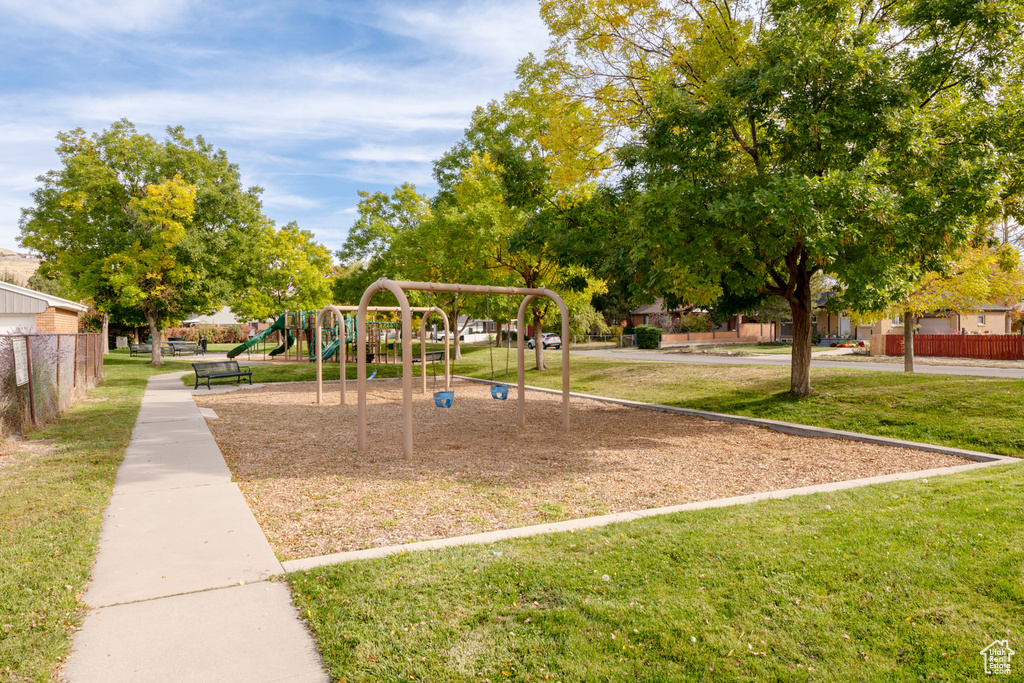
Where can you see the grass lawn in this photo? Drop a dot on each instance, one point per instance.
(736, 349)
(906, 581)
(53, 490)
(901, 582)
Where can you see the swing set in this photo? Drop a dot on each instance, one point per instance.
(339, 311)
(444, 399)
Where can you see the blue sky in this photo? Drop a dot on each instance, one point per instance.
(313, 100)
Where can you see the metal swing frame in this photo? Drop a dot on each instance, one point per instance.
(398, 288)
(338, 310)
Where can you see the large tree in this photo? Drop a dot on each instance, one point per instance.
(134, 223)
(287, 271)
(522, 163)
(766, 144)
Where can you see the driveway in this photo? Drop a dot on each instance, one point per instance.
(784, 359)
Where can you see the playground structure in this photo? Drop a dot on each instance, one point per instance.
(298, 326)
(292, 325)
(398, 289)
(339, 313)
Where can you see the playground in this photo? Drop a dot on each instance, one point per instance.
(474, 469)
(325, 474)
(292, 335)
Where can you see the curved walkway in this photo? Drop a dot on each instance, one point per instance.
(658, 356)
(180, 589)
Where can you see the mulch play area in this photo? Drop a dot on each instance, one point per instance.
(475, 470)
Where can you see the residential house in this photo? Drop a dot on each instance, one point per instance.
(989, 320)
(656, 314)
(225, 318)
(839, 324)
(734, 330)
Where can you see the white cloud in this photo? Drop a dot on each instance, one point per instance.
(497, 32)
(82, 17)
(389, 153)
(275, 199)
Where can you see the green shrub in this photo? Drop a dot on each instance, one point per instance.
(692, 322)
(647, 336)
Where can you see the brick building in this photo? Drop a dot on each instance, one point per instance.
(26, 310)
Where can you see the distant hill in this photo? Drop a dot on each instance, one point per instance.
(17, 266)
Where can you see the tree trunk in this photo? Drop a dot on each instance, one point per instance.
(154, 330)
(106, 333)
(800, 364)
(908, 342)
(538, 340)
(778, 331)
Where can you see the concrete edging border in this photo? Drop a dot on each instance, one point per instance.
(779, 426)
(981, 460)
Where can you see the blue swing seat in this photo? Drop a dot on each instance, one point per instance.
(499, 391)
(443, 399)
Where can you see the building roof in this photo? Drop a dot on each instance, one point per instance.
(15, 299)
(222, 317)
(653, 309)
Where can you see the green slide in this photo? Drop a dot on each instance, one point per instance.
(329, 351)
(288, 341)
(278, 325)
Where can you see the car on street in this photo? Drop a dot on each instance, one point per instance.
(550, 340)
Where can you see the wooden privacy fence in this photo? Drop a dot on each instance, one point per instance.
(984, 346)
(747, 333)
(42, 375)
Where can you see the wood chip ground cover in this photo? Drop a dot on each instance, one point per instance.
(474, 470)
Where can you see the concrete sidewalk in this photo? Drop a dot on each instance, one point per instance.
(180, 590)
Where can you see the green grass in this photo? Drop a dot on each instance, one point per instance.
(906, 581)
(901, 582)
(919, 576)
(51, 507)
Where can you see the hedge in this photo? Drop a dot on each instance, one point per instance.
(647, 336)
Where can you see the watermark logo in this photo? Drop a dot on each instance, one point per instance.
(997, 657)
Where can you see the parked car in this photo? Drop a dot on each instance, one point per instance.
(550, 340)
(440, 336)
